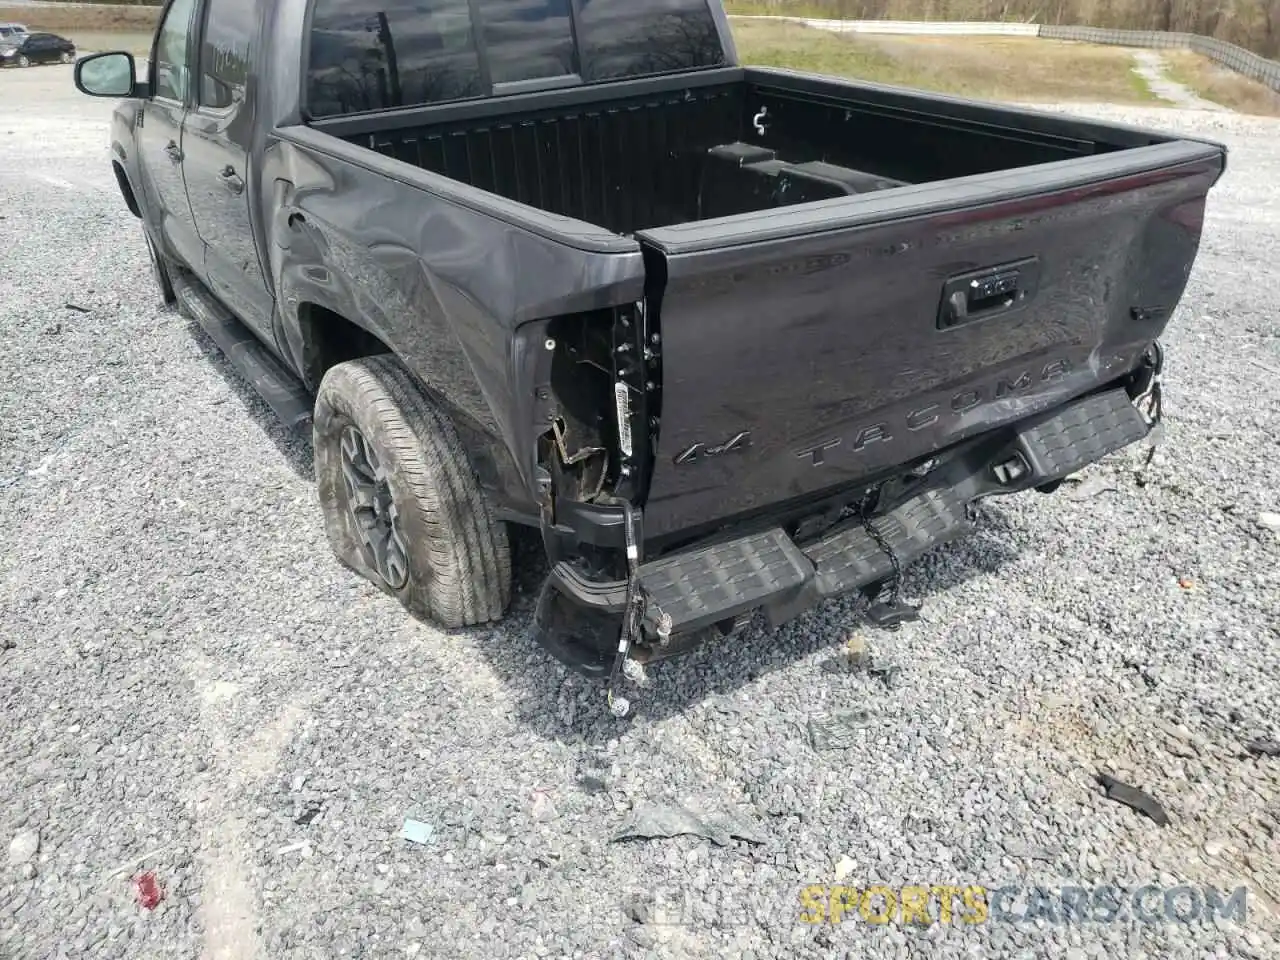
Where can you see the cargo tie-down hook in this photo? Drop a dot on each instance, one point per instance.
(758, 120)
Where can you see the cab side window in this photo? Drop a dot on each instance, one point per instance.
(374, 54)
(172, 73)
(225, 51)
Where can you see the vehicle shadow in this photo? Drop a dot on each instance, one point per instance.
(559, 704)
(294, 445)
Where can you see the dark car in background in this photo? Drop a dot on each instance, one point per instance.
(36, 48)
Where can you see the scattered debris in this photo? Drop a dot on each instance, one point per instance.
(77, 308)
(1186, 583)
(1134, 798)
(652, 821)
(887, 673)
(1263, 748)
(845, 867)
(308, 812)
(415, 831)
(852, 658)
(130, 864)
(24, 847)
(839, 731)
(150, 893)
(302, 846)
(1269, 521)
(1091, 486)
(1262, 366)
(638, 906)
(1028, 851)
(544, 810)
(53, 330)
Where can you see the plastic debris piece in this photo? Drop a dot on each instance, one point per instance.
(887, 673)
(77, 308)
(308, 812)
(1263, 748)
(838, 731)
(544, 809)
(654, 821)
(1186, 583)
(1090, 487)
(415, 831)
(1134, 798)
(150, 893)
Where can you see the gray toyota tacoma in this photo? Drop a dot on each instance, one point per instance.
(732, 339)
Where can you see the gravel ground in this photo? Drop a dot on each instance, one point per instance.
(191, 686)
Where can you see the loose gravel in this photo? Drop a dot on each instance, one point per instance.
(192, 690)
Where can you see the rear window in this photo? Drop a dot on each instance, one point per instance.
(378, 54)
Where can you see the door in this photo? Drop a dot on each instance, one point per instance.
(160, 135)
(216, 142)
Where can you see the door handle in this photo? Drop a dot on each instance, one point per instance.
(231, 180)
(173, 151)
(987, 293)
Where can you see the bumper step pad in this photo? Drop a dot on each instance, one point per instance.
(714, 583)
(1080, 434)
(851, 559)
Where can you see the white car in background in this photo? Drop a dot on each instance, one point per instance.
(12, 34)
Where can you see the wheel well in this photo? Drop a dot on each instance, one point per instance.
(329, 339)
(130, 200)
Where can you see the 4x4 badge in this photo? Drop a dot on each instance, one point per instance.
(700, 450)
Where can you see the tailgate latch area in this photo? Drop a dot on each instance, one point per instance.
(989, 292)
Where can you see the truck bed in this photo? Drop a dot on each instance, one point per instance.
(671, 155)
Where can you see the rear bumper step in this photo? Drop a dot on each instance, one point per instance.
(714, 584)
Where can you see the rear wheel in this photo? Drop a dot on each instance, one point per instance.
(66, 57)
(401, 503)
(23, 61)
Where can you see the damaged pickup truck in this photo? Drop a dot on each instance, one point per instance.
(733, 339)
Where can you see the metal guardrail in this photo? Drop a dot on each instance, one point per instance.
(1225, 54)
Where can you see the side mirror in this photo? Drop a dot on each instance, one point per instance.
(106, 75)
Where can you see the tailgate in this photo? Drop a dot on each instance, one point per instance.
(807, 348)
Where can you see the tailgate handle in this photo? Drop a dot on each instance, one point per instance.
(988, 292)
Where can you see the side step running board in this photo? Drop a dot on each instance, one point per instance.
(281, 390)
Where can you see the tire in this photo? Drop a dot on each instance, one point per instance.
(66, 57)
(24, 62)
(160, 270)
(444, 556)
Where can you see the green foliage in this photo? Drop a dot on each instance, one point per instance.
(1252, 24)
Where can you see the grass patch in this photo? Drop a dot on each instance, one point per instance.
(809, 9)
(99, 19)
(1222, 86)
(986, 68)
(92, 29)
